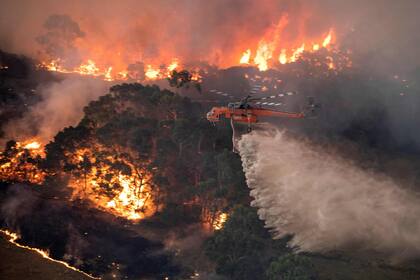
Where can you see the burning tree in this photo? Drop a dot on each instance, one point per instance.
(21, 162)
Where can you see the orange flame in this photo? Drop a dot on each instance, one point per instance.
(118, 63)
(283, 57)
(297, 53)
(246, 55)
(18, 165)
(264, 53)
(130, 195)
(219, 221)
(327, 40)
(45, 254)
(152, 74)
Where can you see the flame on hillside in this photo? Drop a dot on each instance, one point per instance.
(111, 183)
(274, 46)
(269, 48)
(219, 221)
(13, 237)
(114, 184)
(19, 162)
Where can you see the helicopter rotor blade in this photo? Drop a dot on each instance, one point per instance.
(290, 93)
(269, 103)
(221, 93)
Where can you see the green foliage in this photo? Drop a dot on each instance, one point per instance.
(190, 160)
(242, 249)
(291, 267)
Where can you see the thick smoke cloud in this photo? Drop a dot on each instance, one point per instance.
(61, 106)
(327, 202)
(215, 30)
(61, 33)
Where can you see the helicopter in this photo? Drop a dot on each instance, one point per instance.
(249, 109)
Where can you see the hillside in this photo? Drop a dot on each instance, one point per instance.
(19, 263)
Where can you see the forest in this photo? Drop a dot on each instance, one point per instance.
(144, 187)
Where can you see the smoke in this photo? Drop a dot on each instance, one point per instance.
(59, 38)
(327, 202)
(61, 106)
(215, 31)
(20, 202)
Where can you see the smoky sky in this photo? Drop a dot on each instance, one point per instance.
(196, 28)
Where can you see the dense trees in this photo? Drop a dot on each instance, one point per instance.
(243, 249)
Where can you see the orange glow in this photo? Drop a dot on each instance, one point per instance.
(219, 221)
(34, 145)
(297, 53)
(246, 55)
(88, 69)
(122, 75)
(152, 74)
(264, 53)
(127, 195)
(266, 48)
(123, 192)
(195, 76)
(18, 163)
(108, 76)
(173, 65)
(327, 40)
(283, 57)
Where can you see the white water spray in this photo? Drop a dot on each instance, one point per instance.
(326, 202)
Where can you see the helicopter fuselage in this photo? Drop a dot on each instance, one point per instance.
(246, 114)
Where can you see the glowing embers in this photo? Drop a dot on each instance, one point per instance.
(20, 162)
(112, 183)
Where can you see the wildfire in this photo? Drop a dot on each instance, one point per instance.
(117, 184)
(88, 69)
(297, 53)
(266, 51)
(125, 192)
(33, 145)
(270, 51)
(245, 57)
(219, 221)
(19, 162)
(173, 65)
(108, 73)
(13, 237)
(152, 74)
(327, 40)
(283, 56)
